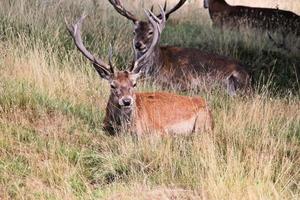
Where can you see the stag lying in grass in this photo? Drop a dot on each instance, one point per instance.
(184, 68)
(145, 112)
(223, 14)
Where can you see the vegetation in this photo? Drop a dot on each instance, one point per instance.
(52, 105)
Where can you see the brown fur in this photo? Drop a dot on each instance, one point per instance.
(184, 68)
(172, 109)
(223, 14)
(182, 65)
(160, 112)
(189, 68)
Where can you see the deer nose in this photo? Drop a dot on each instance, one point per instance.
(127, 101)
(138, 45)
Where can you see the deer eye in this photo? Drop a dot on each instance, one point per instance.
(113, 86)
(150, 33)
(134, 85)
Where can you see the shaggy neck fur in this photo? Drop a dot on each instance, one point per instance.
(117, 118)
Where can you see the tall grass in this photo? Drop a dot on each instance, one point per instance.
(52, 105)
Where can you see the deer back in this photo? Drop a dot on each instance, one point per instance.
(223, 14)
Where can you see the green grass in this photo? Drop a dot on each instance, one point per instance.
(52, 105)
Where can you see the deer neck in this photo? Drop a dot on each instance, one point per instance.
(117, 118)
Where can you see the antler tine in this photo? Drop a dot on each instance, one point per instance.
(110, 55)
(165, 6)
(121, 10)
(75, 32)
(161, 22)
(176, 7)
(138, 64)
(133, 65)
(152, 8)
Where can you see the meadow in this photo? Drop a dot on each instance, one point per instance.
(52, 104)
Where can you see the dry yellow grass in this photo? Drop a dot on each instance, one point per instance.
(253, 154)
(52, 146)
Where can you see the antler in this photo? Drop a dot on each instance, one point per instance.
(158, 25)
(161, 22)
(176, 7)
(101, 67)
(120, 9)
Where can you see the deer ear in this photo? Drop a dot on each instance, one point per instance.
(135, 76)
(103, 73)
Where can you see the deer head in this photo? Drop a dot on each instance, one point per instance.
(122, 82)
(143, 30)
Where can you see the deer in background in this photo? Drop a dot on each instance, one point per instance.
(144, 112)
(183, 68)
(223, 14)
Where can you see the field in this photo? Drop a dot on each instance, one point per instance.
(52, 104)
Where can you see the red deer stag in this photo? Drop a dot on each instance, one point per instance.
(145, 112)
(184, 68)
(223, 14)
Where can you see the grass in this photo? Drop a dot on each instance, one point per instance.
(52, 104)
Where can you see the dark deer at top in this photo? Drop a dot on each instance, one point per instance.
(183, 68)
(223, 14)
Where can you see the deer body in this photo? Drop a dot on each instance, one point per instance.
(223, 14)
(160, 112)
(189, 68)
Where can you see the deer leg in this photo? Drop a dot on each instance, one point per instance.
(203, 122)
(231, 83)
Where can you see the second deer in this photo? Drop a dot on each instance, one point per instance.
(184, 68)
